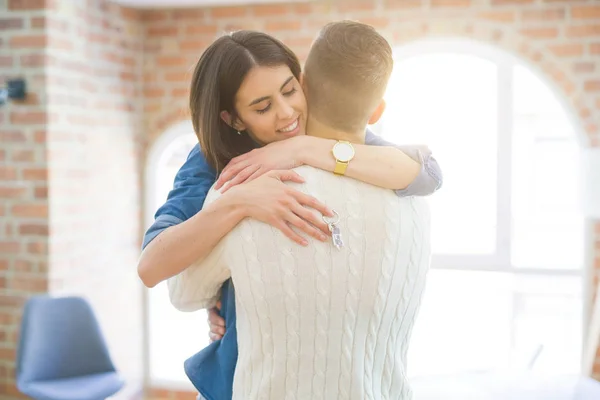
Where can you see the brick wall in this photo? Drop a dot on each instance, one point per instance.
(70, 169)
(24, 222)
(559, 37)
(92, 69)
(94, 87)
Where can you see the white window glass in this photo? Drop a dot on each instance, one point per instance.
(173, 335)
(450, 102)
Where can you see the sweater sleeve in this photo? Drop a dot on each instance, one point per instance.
(198, 286)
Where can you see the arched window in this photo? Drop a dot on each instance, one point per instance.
(173, 336)
(506, 278)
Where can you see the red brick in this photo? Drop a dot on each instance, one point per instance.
(180, 92)
(37, 248)
(30, 284)
(404, 4)
(8, 173)
(4, 265)
(24, 266)
(594, 48)
(583, 31)
(31, 41)
(35, 174)
(567, 50)
(150, 92)
(188, 14)
(584, 67)
(9, 247)
(377, 22)
(28, 118)
(11, 23)
(226, 12)
(540, 33)
(276, 26)
(38, 22)
(270, 9)
(351, 6)
(592, 86)
(182, 76)
(201, 30)
(8, 192)
(40, 192)
(12, 137)
(33, 60)
(33, 229)
(450, 3)
(162, 31)
(511, 2)
(193, 45)
(19, 5)
(23, 156)
(585, 12)
(40, 136)
(171, 61)
(498, 16)
(549, 14)
(154, 15)
(30, 210)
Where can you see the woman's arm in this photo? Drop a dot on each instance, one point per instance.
(178, 246)
(267, 199)
(382, 166)
(410, 170)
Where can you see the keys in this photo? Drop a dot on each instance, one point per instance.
(336, 234)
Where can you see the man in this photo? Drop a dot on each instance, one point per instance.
(331, 320)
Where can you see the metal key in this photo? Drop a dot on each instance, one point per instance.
(336, 234)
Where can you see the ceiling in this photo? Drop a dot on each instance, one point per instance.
(196, 3)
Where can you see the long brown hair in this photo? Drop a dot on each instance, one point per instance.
(217, 78)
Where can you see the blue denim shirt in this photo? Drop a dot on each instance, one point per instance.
(211, 370)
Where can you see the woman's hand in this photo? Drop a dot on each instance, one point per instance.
(216, 323)
(271, 201)
(280, 155)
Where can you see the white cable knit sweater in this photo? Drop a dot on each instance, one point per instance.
(316, 322)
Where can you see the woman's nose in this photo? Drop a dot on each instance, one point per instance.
(285, 111)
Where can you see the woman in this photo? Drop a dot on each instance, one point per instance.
(227, 99)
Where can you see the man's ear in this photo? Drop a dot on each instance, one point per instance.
(377, 113)
(237, 125)
(302, 81)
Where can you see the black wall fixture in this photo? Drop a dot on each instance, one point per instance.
(15, 89)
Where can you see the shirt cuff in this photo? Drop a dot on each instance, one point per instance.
(161, 223)
(427, 181)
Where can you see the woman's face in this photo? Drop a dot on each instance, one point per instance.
(271, 105)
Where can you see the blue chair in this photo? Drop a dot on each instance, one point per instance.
(62, 354)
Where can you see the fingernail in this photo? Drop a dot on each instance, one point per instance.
(304, 243)
(323, 237)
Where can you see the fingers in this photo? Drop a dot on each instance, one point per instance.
(216, 325)
(228, 173)
(292, 176)
(318, 225)
(304, 226)
(312, 202)
(241, 177)
(287, 231)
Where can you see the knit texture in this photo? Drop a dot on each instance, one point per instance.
(316, 322)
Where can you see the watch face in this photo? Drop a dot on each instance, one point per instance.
(343, 152)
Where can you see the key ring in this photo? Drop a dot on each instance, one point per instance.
(336, 217)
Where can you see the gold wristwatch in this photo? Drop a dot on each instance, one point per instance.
(343, 152)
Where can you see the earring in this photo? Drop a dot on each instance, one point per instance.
(239, 133)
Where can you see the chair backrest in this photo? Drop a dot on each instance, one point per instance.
(60, 338)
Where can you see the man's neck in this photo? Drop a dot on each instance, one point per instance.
(317, 129)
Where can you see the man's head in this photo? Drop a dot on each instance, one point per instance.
(345, 75)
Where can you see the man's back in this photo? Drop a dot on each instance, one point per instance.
(318, 322)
